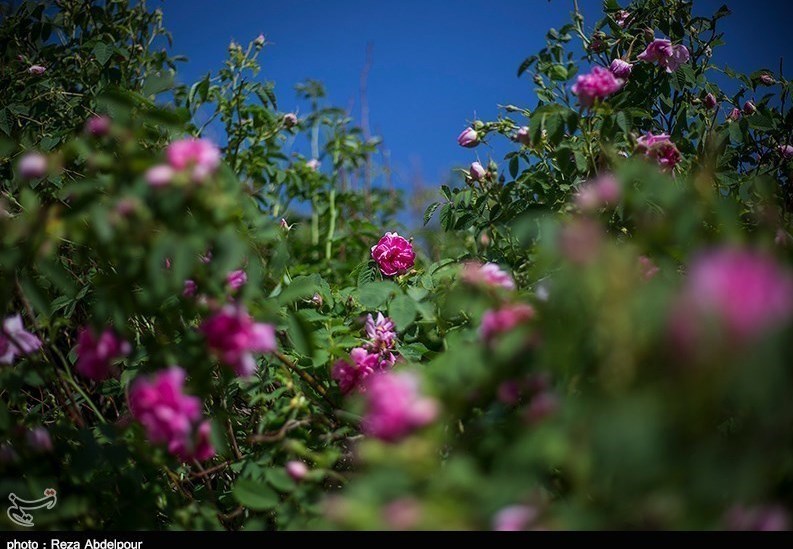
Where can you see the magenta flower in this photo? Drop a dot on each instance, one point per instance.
(381, 332)
(351, 375)
(296, 469)
(233, 336)
(541, 406)
(98, 125)
(190, 288)
(499, 321)
(159, 176)
(37, 70)
(662, 52)
(486, 274)
(477, 171)
(749, 108)
(767, 79)
(622, 17)
(620, 69)
(290, 120)
(169, 416)
(393, 254)
(786, 151)
(395, 407)
(710, 101)
(313, 164)
(603, 191)
(659, 148)
(744, 292)
(770, 518)
(468, 138)
(95, 355)
(32, 165)
(15, 340)
(38, 439)
(514, 518)
(598, 84)
(200, 156)
(735, 114)
(236, 279)
(522, 136)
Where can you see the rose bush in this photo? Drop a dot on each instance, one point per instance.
(229, 335)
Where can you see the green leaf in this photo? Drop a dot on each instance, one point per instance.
(255, 496)
(526, 64)
(103, 52)
(300, 333)
(279, 479)
(623, 122)
(430, 211)
(514, 166)
(447, 217)
(375, 294)
(402, 311)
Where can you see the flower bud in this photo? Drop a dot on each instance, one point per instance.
(749, 108)
(709, 101)
(469, 138)
(477, 171)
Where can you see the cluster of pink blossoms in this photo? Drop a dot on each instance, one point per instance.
(486, 274)
(198, 157)
(659, 148)
(171, 417)
(15, 340)
(598, 84)
(662, 52)
(375, 356)
(395, 406)
(233, 336)
(95, 355)
(394, 254)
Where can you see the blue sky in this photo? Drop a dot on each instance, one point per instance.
(436, 64)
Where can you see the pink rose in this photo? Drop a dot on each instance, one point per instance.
(233, 336)
(487, 274)
(662, 52)
(620, 69)
(364, 363)
(159, 176)
(735, 114)
(190, 288)
(468, 138)
(622, 17)
(169, 416)
(296, 469)
(598, 84)
(603, 191)
(32, 165)
(477, 171)
(200, 156)
(236, 279)
(37, 70)
(709, 101)
(659, 148)
(381, 332)
(522, 136)
(749, 108)
(313, 164)
(15, 340)
(393, 254)
(38, 439)
(395, 407)
(95, 355)
(98, 125)
(290, 120)
(499, 321)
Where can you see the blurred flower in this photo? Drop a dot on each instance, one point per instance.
(32, 165)
(468, 138)
(190, 288)
(233, 335)
(15, 340)
(290, 120)
(647, 267)
(199, 155)
(769, 518)
(393, 254)
(313, 164)
(749, 108)
(395, 407)
(598, 84)
(782, 238)
(8, 454)
(662, 52)
(745, 292)
(38, 439)
(541, 406)
(259, 40)
(206, 258)
(660, 148)
(296, 469)
(477, 171)
(236, 279)
(603, 191)
(509, 392)
(786, 151)
(487, 274)
(364, 363)
(514, 518)
(37, 70)
(95, 355)
(381, 332)
(622, 17)
(98, 125)
(169, 416)
(498, 321)
(159, 176)
(579, 240)
(735, 114)
(317, 300)
(597, 43)
(709, 101)
(522, 136)
(767, 79)
(402, 514)
(620, 69)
